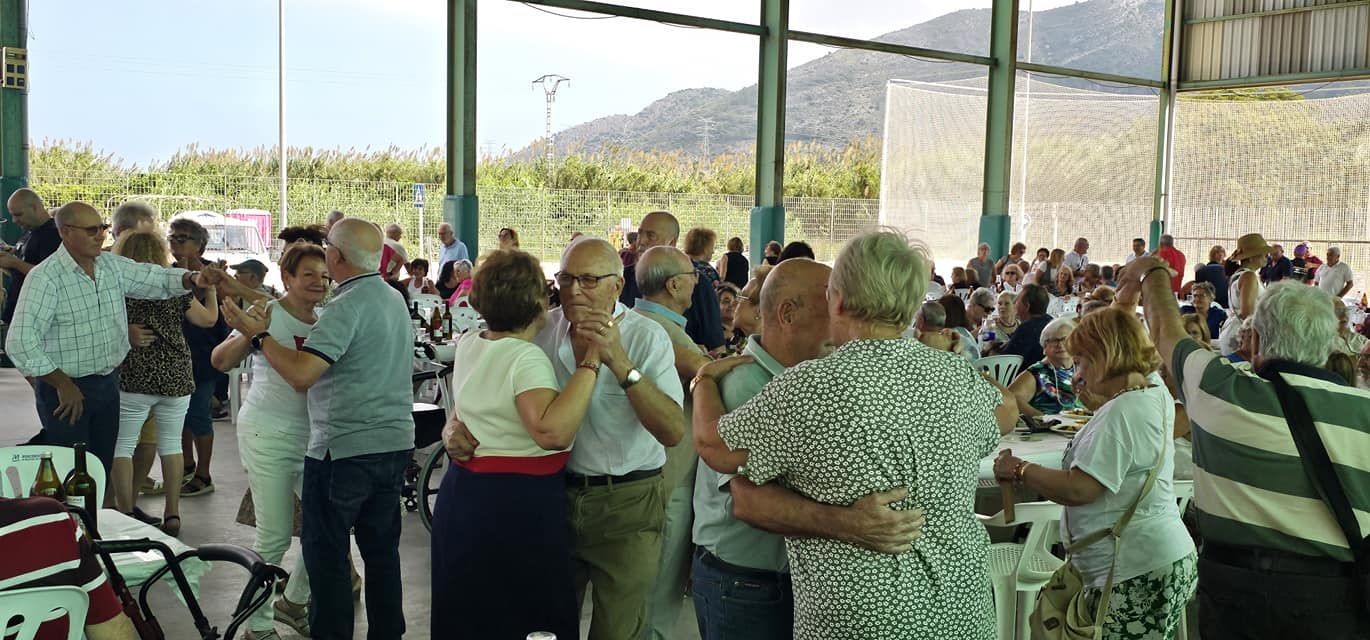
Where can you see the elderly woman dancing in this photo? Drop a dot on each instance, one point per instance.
(875, 416)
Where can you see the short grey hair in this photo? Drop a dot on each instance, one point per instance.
(1295, 322)
(132, 214)
(1167, 240)
(608, 249)
(393, 226)
(335, 215)
(982, 297)
(653, 272)
(364, 260)
(1206, 287)
(1332, 250)
(933, 314)
(195, 230)
(882, 276)
(1058, 328)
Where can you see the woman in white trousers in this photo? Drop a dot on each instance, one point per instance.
(273, 430)
(155, 379)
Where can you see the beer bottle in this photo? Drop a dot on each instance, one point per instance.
(47, 484)
(435, 325)
(80, 487)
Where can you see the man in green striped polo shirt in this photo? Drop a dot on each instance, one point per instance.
(1274, 563)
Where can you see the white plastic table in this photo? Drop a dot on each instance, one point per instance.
(1044, 449)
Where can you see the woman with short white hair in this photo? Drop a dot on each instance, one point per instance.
(1347, 340)
(1047, 386)
(880, 412)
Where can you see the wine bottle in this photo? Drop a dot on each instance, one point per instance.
(47, 484)
(80, 487)
(447, 319)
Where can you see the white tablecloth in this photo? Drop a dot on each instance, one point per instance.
(137, 567)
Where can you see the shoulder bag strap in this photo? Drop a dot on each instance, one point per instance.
(1317, 465)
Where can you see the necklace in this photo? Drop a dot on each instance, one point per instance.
(1138, 387)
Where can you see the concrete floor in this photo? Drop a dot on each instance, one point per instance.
(210, 518)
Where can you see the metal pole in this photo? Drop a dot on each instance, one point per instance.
(281, 153)
(14, 133)
(768, 212)
(1165, 123)
(1027, 113)
(460, 207)
(994, 219)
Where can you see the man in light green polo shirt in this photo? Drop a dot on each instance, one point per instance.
(738, 526)
(666, 280)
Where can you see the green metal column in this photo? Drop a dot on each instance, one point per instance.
(995, 221)
(460, 207)
(14, 133)
(768, 216)
(1165, 125)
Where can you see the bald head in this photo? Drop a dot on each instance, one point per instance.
(77, 213)
(658, 266)
(394, 231)
(587, 253)
(658, 228)
(27, 209)
(359, 242)
(796, 279)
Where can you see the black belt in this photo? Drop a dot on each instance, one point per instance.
(713, 561)
(1275, 561)
(575, 480)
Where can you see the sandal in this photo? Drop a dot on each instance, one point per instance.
(169, 528)
(197, 486)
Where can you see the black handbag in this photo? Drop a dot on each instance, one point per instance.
(1317, 465)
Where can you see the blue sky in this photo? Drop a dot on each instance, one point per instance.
(143, 78)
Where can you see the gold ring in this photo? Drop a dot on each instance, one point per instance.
(610, 324)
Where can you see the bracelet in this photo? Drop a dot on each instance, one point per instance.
(1020, 469)
(1154, 270)
(593, 367)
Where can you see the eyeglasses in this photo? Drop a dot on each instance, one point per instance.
(92, 231)
(1054, 342)
(586, 281)
(178, 237)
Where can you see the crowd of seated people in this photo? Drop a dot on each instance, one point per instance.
(665, 424)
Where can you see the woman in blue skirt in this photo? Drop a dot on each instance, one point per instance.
(501, 535)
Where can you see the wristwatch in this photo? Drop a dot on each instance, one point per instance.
(257, 340)
(634, 376)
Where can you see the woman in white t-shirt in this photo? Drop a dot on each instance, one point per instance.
(501, 553)
(273, 429)
(1155, 571)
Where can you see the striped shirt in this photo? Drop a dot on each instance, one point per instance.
(1249, 484)
(40, 546)
(66, 320)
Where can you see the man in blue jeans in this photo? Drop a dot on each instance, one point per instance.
(356, 366)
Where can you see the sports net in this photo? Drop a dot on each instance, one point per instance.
(1292, 166)
(1083, 165)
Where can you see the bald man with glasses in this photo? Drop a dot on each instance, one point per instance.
(70, 327)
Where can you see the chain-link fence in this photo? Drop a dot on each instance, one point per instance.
(544, 218)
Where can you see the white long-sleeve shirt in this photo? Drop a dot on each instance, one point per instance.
(65, 320)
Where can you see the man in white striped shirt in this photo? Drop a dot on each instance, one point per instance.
(70, 328)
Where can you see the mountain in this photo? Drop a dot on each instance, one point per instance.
(841, 96)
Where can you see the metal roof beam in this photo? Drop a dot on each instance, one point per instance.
(1361, 73)
(1089, 75)
(888, 47)
(678, 19)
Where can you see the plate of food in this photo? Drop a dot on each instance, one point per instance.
(1078, 413)
(1067, 430)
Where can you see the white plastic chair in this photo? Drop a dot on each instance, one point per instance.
(1003, 368)
(19, 466)
(39, 605)
(1019, 571)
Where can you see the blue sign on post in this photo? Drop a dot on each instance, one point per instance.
(418, 195)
